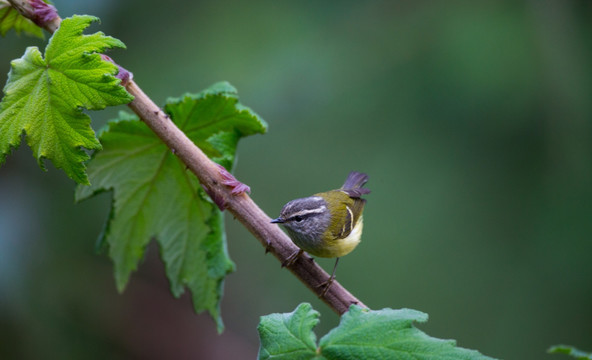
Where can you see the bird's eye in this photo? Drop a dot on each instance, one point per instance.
(298, 218)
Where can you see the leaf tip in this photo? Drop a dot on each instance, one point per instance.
(219, 324)
(223, 87)
(121, 281)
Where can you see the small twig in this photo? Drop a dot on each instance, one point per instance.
(240, 205)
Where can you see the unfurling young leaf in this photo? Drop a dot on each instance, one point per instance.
(10, 18)
(361, 334)
(45, 95)
(155, 196)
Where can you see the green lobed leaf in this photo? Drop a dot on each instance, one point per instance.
(154, 196)
(570, 350)
(361, 334)
(10, 18)
(45, 95)
(289, 336)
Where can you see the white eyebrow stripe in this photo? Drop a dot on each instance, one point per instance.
(318, 210)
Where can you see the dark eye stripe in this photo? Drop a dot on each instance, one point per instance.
(301, 217)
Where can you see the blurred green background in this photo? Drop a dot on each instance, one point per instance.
(473, 120)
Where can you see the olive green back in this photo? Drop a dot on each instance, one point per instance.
(342, 221)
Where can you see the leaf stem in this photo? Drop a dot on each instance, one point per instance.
(242, 207)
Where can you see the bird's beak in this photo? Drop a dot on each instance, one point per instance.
(277, 221)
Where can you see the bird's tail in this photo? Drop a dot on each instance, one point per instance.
(354, 182)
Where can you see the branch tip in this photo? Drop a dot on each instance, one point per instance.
(42, 13)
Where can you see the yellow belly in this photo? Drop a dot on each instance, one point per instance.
(339, 247)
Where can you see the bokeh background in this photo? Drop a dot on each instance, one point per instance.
(473, 120)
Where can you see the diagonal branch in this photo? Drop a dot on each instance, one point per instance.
(240, 205)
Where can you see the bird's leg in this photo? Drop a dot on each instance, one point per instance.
(292, 258)
(327, 284)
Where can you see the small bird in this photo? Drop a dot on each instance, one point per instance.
(327, 224)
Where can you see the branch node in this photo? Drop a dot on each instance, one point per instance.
(123, 75)
(217, 198)
(229, 180)
(291, 260)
